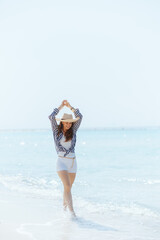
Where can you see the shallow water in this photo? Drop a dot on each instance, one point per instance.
(116, 193)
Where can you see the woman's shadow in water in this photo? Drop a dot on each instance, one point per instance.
(83, 223)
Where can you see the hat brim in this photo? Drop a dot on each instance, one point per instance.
(68, 120)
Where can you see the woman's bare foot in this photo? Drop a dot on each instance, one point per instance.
(73, 214)
(65, 208)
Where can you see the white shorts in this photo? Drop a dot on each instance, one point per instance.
(69, 163)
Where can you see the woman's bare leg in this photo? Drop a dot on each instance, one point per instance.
(71, 178)
(67, 180)
(64, 202)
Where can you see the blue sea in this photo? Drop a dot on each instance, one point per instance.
(116, 193)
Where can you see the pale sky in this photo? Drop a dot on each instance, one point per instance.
(102, 56)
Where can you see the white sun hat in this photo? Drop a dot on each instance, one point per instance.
(67, 118)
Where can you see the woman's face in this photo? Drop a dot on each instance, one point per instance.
(66, 125)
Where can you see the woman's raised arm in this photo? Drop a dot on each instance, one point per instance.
(53, 114)
(76, 114)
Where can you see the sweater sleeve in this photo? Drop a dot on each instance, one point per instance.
(78, 122)
(53, 120)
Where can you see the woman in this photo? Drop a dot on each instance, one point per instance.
(65, 139)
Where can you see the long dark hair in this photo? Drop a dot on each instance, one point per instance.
(68, 134)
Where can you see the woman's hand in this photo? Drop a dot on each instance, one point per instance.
(68, 104)
(65, 103)
(62, 104)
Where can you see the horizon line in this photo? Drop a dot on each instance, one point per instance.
(91, 128)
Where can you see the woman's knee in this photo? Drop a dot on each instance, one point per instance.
(67, 187)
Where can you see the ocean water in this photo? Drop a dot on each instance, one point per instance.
(116, 193)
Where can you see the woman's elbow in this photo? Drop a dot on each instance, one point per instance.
(50, 117)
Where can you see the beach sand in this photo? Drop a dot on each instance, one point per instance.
(12, 231)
